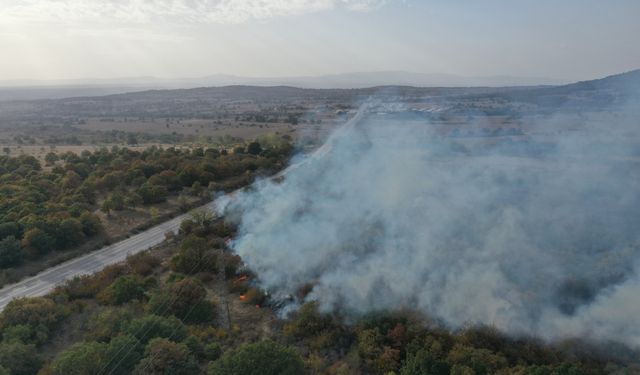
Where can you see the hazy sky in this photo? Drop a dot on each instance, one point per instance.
(565, 39)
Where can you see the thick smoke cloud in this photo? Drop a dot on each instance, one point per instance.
(531, 236)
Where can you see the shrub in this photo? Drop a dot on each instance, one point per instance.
(123, 290)
(212, 351)
(143, 263)
(194, 256)
(26, 334)
(37, 311)
(91, 224)
(107, 323)
(186, 299)
(152, 326)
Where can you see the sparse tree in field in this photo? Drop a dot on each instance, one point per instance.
(6, 150)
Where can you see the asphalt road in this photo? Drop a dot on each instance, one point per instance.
(46, 281)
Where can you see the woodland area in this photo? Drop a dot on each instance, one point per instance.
(57, 206)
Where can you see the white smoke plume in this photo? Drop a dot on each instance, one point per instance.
(533, 237)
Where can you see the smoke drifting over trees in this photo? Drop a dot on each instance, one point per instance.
(467, 231)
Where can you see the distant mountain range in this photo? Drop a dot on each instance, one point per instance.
(595, 95)
(32, 89)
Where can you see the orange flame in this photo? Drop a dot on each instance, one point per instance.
(243, 297)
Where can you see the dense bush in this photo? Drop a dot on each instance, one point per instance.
(33, 312)
(185, 299)
(19, 359)
(122, 290)
(10, 252)
(117, 357)
(194, 256)
(262, 358)
(166, 357)
(152, 326)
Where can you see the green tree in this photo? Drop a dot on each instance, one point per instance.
(69, 233)
(196, 189)
(80, 359)
(32, 311)
(262, 358)
(117, 201)
(37, 241)
(123, 290)
(152, 193)
(19, 359)
(26, 334)
(91, 224)
(10, 228)
(107, 323)
(254, 148)
(164, 357)
(152, 326)
(424, 363)
(51, 158)
(186, 299)
(194, 256)
(10, 252)
(481, 361)
(122, 355)
(132, 139)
